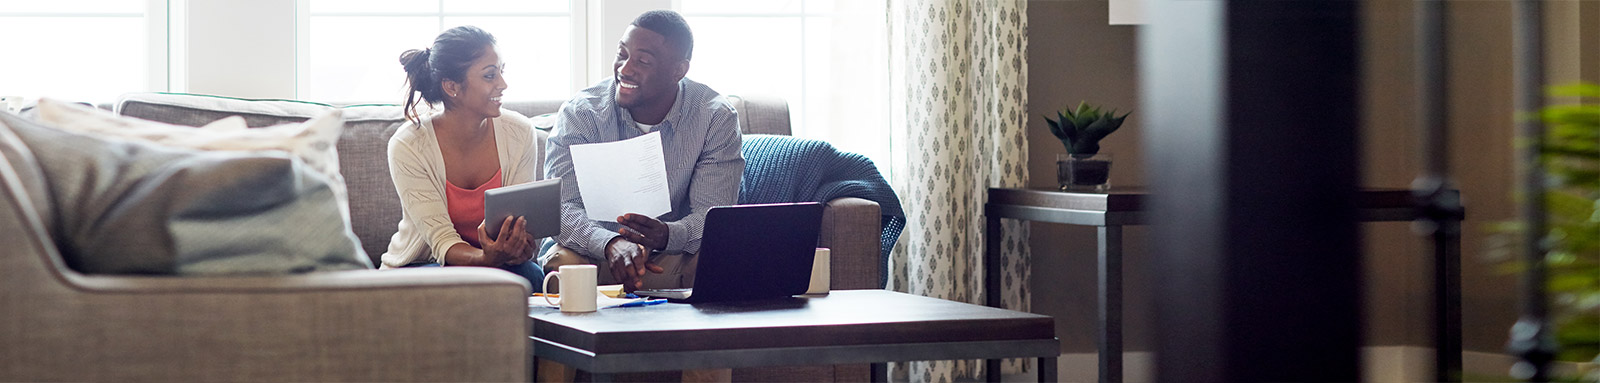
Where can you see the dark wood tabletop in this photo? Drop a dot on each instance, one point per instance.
(842, 318)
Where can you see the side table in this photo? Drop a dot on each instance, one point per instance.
(1109, 211)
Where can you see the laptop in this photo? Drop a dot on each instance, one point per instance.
(752, 252)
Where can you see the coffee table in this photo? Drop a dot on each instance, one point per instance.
(844, 327)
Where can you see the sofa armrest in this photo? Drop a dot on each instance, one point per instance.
(437, 324)
(851, 228)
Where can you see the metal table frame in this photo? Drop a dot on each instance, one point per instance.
(604, 366)
(1108, 222)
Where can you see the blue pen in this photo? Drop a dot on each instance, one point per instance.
(643, 303)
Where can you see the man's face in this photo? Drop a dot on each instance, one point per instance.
(647, 69)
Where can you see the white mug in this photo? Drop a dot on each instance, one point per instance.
(577, 288)
(819, 273)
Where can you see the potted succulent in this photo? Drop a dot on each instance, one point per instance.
(1084, 168)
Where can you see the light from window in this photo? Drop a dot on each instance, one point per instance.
(79, 50)
(358, 58)
(825, 57)
(355, 45)
(731, 58)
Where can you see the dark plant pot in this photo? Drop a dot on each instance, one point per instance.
(1084, 173)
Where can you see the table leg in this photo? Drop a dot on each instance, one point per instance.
(991, 370)
(991, 260)
(880, 372)
(991, 282)
(1110, 310)
(1047, 370)
(1447, 301)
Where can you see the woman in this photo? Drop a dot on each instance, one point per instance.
(442, 163)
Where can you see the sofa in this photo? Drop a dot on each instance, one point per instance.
(445, 324)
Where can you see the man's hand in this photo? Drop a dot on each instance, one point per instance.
(629, 262)
(648, 232)
(514, 247)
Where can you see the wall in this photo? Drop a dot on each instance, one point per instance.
(1075, 55)
(1481, 118)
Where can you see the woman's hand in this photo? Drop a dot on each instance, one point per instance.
(513, 247)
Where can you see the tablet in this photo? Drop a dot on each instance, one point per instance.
(538, 201)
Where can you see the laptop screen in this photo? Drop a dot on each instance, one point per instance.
(756, 251)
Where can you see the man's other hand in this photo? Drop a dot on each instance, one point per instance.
(643, 230)
(629, 261)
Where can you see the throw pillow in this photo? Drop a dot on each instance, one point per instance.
(312, 141)
(133, 207)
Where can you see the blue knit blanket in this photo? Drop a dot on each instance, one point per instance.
(781, 169)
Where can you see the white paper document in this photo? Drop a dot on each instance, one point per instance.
(620, 177)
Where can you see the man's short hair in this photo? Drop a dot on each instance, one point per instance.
(670, 25)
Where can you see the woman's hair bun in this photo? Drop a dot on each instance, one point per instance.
(413, 57)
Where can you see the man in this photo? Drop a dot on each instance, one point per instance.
(700, 139)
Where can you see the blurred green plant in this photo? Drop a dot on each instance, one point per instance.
(1571, 155)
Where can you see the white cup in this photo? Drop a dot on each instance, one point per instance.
(577, 288)
(819, 272)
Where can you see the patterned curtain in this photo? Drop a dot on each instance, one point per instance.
(959, 101)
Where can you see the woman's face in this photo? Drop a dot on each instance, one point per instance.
(479, 92)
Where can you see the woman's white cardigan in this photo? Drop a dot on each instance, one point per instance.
(417, 168)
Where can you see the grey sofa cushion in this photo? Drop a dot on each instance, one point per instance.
(26, 167)
(124, 207)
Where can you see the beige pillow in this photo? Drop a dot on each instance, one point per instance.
(313, 141)
(127, 206)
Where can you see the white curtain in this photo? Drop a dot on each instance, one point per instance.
(958, 92)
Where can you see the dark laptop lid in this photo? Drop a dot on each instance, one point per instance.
(756, 251)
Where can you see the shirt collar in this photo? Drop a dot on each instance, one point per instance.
(667, 122)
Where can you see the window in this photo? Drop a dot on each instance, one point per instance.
(535, 40)
(83, 50)
(827, 58)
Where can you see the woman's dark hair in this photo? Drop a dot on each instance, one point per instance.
(452, 52)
